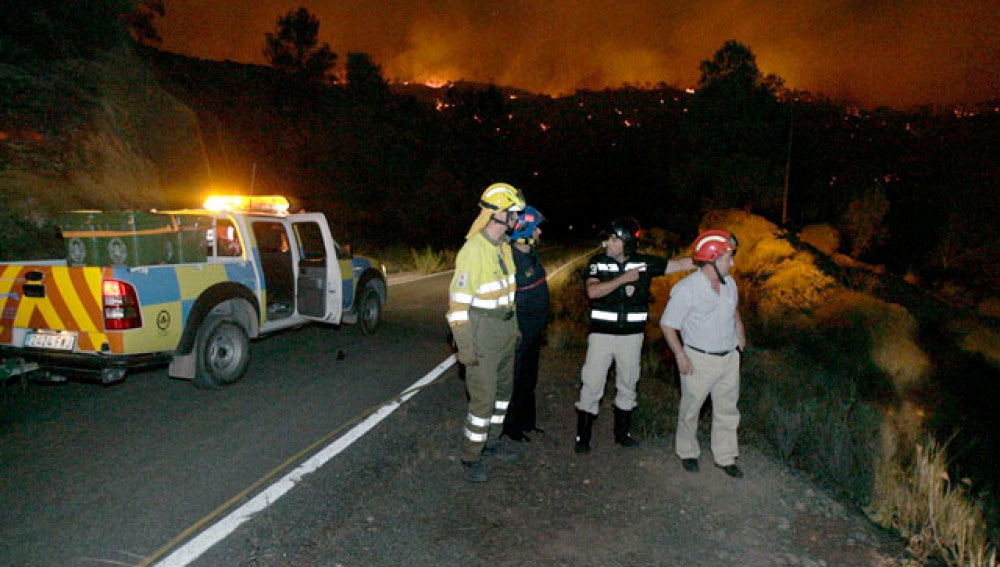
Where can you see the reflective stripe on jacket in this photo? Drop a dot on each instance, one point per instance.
(484, 279)
(625, 310)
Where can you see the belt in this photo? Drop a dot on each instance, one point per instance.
(720, 353)
(502, 314)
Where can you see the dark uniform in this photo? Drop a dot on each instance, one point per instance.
(625, 310)
(532, 302)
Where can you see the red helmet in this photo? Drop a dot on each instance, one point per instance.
(713, 243)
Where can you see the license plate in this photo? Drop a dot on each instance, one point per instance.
(56, 341)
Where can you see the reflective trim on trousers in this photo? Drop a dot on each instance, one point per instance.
(475, 437)
(500, 414)
(476, 421)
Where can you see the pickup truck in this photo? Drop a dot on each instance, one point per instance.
(189, 288)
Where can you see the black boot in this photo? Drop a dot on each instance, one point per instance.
(584, 427)
(623, 422)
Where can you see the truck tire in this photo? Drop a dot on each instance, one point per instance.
(223, 350)
(370, 309)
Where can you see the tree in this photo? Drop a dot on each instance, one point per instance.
(364, 78)
(862, 223)
(140, 21)
(733, 65)
(34, 31)
(294, 48)
(738, 134)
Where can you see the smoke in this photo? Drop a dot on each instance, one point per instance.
(880, 52)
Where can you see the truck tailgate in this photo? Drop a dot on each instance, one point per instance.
(51, 307)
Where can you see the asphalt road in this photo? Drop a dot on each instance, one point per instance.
(121, 475)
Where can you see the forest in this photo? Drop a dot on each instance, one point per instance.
(913, 190)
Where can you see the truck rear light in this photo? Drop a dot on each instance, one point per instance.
(121, 306)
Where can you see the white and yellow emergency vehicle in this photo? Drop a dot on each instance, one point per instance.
(189, 288)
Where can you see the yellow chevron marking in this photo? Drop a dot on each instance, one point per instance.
(69, 293)
(8, 277)
(44, 307)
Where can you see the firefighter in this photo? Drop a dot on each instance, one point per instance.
(702, 311)
(483, 323)
(617, 283)
(532, 304)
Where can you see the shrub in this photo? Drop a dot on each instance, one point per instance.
(977, 337)
(397, 258)
(748, 228)
(429, 261)
(823, 237)
(568, 300)
(794, 286)
(814, 418)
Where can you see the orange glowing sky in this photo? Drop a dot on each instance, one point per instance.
(878, 52)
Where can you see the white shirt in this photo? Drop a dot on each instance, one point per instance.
(705, 319)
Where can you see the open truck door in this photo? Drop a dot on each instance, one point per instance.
(319, 286)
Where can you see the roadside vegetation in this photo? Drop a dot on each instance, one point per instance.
(834, 383)
(426, 260)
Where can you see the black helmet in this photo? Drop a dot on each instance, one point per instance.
(627, 229)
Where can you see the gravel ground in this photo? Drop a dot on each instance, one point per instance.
(614, 506)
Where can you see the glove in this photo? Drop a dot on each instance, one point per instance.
(463, 342)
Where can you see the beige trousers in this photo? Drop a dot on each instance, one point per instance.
(625, 351)
(718, 376)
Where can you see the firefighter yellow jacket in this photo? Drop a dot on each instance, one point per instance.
(484, 279)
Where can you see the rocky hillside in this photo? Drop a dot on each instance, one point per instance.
(98, 134)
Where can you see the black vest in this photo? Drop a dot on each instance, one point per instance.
(625, 310)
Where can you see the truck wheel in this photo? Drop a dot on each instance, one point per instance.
(370, 310)
(223, 353)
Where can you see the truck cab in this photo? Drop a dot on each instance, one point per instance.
(298, 274)
(189, 287)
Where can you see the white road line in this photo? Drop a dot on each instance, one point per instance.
(195, 547)
(218, 531)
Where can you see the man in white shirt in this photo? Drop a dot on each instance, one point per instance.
(703, 328)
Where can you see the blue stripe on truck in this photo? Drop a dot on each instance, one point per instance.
(155, 285)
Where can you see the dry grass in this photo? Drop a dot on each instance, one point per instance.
(828, 380)
(814, 418)
(870, 360)
(429, 261)
(405, 259)
(917, 497)
(794, 286)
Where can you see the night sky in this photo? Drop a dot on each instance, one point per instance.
(877, 52)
